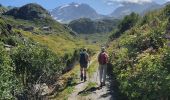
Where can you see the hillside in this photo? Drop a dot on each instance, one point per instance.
(88, 26)
(140, 56)
(35, 51)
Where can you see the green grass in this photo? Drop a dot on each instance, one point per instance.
(59, 40)
(99, 38)
(92, 68)
(66, 90)
(59, 43)
(63, 95)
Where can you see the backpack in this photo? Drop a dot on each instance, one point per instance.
(103, 58)
(83, 59)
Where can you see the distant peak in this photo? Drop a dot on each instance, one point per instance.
(73, 3)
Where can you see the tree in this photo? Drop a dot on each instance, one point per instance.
(128, 22)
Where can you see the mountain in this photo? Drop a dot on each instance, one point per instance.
(74, 11)
(88, 26)
(165, 4)
(29, 12)
(128, 8)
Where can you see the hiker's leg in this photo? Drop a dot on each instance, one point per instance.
(85, 76)
(104, 73)
(85, 70)
(81, 73)
(100, 73)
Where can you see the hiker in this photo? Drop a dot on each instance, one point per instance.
(84, 59)
(103, 60)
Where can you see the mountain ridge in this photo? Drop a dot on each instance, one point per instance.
(72, 11)
(128, 8)
(29, 12)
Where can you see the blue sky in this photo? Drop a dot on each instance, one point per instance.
(101, 6)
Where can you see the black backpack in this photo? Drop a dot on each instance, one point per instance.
(83, 59)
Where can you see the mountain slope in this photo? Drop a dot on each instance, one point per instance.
(39, 51)
(88, 26)
(128, 8)
(74, 11)
(140, 57)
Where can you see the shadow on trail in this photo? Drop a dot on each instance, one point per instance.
(70, 83)
(113, 86)
(110, 92)
(88, 91)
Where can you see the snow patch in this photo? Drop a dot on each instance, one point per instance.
(63, 7)
(76, 5)
(59, 20)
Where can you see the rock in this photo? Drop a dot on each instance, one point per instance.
(43, 89)
(26, 28)
(46, 28)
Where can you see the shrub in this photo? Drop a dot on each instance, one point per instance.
(33, 61)
(6, 75)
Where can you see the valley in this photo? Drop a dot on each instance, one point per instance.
(39, 56)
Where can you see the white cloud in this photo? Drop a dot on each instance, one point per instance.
(109, 2)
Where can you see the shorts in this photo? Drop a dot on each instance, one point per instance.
(83, 65)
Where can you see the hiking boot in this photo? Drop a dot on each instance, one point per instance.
(81, 76)
(85, 78)
(103, 84)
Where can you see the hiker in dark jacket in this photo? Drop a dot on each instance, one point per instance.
(103, 60)
(84, 59)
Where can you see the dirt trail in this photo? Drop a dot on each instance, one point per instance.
(81, 85)
(106, 93)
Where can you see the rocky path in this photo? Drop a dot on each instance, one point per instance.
(94, 93)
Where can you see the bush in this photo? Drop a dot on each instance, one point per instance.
(33, 61)
(141, 59)
(7, 83)
(148, 79)
(128, 22)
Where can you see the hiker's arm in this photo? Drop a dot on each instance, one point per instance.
(107, 58)
(88, 58)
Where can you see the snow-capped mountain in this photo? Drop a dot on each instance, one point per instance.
(72, 11)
